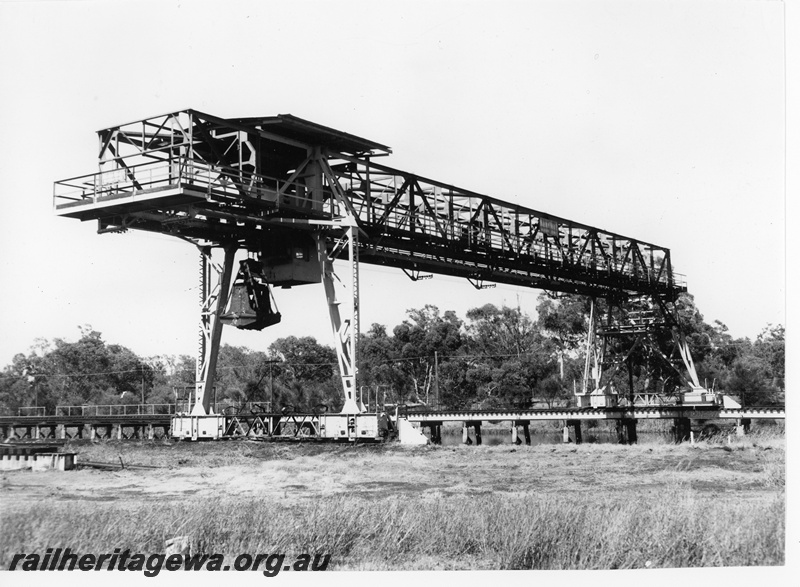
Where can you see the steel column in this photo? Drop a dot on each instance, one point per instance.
(213, 300)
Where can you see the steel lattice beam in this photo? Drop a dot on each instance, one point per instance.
(218, 181)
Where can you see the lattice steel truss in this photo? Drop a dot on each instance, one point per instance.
(253, 183)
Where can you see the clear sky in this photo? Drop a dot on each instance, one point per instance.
(663, 121)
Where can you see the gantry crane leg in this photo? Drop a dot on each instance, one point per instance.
(214, 296)
(592, 369)
(591, 390)
(338, 294)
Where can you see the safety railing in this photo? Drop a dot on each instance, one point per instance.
(117, 410)
(500, 238)
(31, 411)
(199, 176)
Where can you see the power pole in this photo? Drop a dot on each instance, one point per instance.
(436, 375)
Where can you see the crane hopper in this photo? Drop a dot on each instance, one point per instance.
(250, 304)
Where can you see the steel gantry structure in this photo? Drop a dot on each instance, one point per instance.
(297, 196)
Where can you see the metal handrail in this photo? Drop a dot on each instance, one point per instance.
(31, 411)
(217, 180)
(117, 410)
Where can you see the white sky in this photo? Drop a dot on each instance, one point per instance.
(663, 121)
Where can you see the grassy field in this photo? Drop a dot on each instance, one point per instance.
(386, 507)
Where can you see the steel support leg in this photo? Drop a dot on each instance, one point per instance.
(593, 365)
(213, 300)
(345, 330)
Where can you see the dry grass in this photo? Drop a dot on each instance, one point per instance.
(596, 506)
(673, 529)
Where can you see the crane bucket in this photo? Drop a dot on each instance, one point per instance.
(249, 304)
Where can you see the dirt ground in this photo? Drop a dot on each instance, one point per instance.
(289, 472)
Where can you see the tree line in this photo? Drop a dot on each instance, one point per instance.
(493, 357)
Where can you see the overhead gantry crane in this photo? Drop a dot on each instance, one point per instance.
(297, 196)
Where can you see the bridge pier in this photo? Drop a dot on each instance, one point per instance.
(465, 432)
(526, 432)
(681, 429)
(576, 436)
(626, 431)
(742, 426)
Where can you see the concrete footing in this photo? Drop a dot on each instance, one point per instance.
(408, 433)
(38, 462)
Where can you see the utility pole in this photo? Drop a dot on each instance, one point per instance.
(271, 362)
(436, 375)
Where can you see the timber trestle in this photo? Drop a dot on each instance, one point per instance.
(271, 426)
(572, 418)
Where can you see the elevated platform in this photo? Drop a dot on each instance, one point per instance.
(221, 181)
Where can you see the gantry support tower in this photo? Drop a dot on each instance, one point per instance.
(296, 196)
